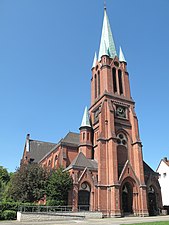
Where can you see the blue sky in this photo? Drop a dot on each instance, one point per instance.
(46, 53)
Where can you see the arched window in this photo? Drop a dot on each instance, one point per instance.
(49, 162)
(88, 136)
(120, 82)
(122, 153)
(98, 83)
(95, 84)
(83, 135)
(55, 160)
(114, 80)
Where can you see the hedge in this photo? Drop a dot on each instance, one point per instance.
(8, 210)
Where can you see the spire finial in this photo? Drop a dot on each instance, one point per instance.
(105, 4)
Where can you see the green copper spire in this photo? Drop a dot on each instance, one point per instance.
(121, 56)
(94, 61)
(107, 39)
(85, 120)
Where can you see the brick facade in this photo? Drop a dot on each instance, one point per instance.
(105, 160)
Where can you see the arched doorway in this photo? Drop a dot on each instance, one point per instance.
(84, 197)
(152, 202)
(127, 198)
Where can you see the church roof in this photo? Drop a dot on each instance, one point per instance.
(148, 170)
(38, 149)
(85, 120)
(107, 39)
(71, 139)
(81, 162)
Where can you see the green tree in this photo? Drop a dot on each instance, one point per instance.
(4, 175)
(59, 183)
(4, 180)
(28, 183)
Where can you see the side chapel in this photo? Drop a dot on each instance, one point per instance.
(105, 159)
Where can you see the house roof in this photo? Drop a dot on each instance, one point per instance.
(81, 162)
(165, 160)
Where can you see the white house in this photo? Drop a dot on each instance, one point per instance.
(163, 170)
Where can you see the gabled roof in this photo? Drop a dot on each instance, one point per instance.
(81, 162)
(148, 170)
(165, 160)
(38, 149)
(71, 139)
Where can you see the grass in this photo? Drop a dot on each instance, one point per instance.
(151, 223)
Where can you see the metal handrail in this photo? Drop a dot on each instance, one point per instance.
(51, 209)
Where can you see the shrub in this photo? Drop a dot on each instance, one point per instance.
(9, 215)
(9, 206)
(54, 203)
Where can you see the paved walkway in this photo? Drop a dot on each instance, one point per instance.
(107, 221)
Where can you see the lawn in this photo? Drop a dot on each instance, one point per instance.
(151, 223)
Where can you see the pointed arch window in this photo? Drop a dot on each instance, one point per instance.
(98, 83)
(95, 85)
(114, 80)
(122, 153)
(55, 160)
(49, 162)
(120, 82)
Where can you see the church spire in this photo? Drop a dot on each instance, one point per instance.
(106, 38)
(85, 120)
(94, 61)
(121, 56)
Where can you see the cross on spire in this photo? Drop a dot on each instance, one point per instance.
(104, 4)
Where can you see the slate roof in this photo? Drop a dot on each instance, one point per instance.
(71, 139)
(38, 149)
(148, 170)
(81, 162)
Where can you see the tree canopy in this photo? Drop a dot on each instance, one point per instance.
(58, 185)
(4, 180)
(28, 183)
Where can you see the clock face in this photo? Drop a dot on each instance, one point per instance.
(121, 111)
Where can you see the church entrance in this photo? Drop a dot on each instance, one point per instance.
(152, 202)
(83, 200)
(127, 198)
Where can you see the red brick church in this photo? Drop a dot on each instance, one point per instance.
(105, 159)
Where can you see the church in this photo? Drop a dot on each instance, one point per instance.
(105, 158)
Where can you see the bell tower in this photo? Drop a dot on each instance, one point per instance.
(116, 142)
